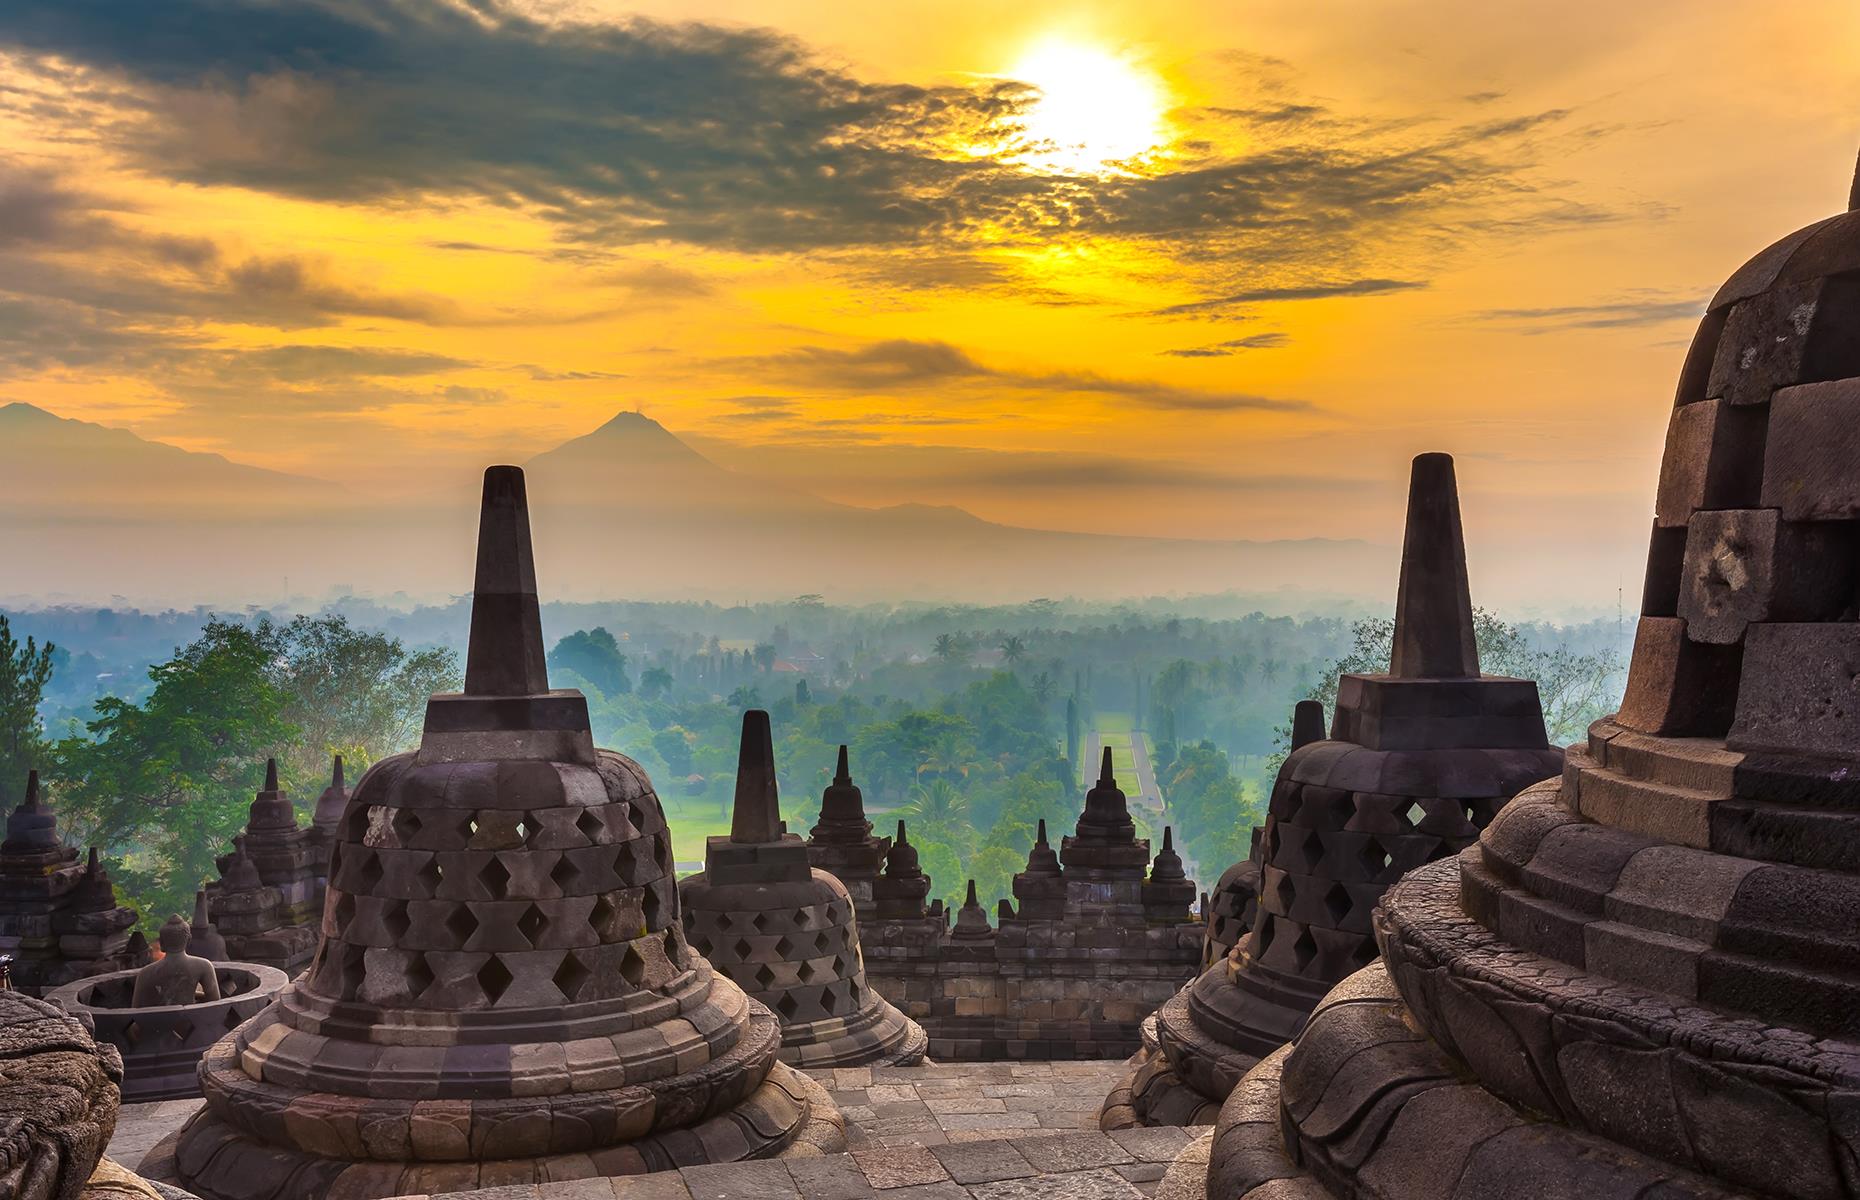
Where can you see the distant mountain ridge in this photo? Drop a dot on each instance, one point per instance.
(627, 510)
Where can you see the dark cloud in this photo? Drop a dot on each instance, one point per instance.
(1215, 305)
(1257, 341)
(1619, 314)
(298, 364)
(903, 363)
(635, 130)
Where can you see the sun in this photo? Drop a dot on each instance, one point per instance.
(1095, 107)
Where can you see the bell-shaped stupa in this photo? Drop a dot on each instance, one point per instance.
(1418, 761)
(1645, 979)
(786, 932)
(502, 993)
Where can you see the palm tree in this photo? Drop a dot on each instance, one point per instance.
(1013, 649)
(765, 657)
(941, 813)
(947, 647)
(1042, 685)
(948, 755)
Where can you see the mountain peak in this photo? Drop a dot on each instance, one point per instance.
(633, 421)
(19, 412)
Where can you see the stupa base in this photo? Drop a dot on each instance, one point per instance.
(880, 1036)
(789, 1114)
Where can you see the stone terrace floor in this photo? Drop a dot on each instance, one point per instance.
(955, 1131)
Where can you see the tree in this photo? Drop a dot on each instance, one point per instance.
(654, 681)
(674, 747)
(24, 672)
(348, 691)
(1072, 731)
(744, 697)
(948, 647)
(594, 655)
(765, 657)
(1013, 649)
(163, 786)
(801, 695)
(1043, 687)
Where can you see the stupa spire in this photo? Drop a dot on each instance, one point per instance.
(757, 815)
(271, 774)
(1307, 723)
(1433, 606)
(505, 655)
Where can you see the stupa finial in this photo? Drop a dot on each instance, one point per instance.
(1105, 775)
(271, 774)
(1307, 723)
(505, 654)
(1433, 605)
(757, 816)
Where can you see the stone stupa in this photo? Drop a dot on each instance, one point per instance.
(268, 899)
(1418, 761)
(503, 993)
(842, 844)
(788, 933)
(1645, 979)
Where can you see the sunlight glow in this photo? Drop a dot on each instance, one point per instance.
(1095, 107)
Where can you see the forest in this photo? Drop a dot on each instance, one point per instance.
(151, 730)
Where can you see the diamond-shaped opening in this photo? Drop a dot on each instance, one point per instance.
(430, 876)
(764, 977)
(1412, 814)
(533, 923)
(702, 945)
(1364, 952)
(1267, 929)
(406, 826)
(673, 953)
(806, 971)
(652, 906)
(723, 922)
(354, 970)
(233, 1019)
(1271, 847)
(395, 920)
(1375, 858)
(132, 1034)
(345, 910)
(525, 827)
(494, 978)
(784, 948)
(632, 967)
(571, 977)
(858, 993)
(589, 825)
(1337, 903)
(368, 873)
(786, 1006)
(828, 1000)
(601, 917)
(461, 923)
(822, 943)
(566, 875)
(358, 821)
(1314, 846)
(742, 949)
(182, 1030)
(1304, 950)
(471, 827)
(761, 922)
(419, 975)
(1285, 891)
(800, 918)
(496, 878)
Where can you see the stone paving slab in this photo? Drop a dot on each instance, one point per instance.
(942, 1131)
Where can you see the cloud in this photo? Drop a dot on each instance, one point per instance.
(1618, 314)
(640, 131)
(1274, 295)
(1257, 341)
(298, 364)
(902, 363)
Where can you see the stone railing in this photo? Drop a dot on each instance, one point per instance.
(161, 1046)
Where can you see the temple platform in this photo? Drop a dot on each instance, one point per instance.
(950, 1131)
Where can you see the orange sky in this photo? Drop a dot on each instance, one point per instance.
(846, 246)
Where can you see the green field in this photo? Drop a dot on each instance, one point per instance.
(1114, 730)
(691, 822)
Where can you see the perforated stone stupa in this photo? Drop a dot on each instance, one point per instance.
(1418, 761)
(1645, 979)
(59, 918)
(503, 993)
(788, 933)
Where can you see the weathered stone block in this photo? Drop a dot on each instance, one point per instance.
(1745, 565)
(1714, 456)
(1811, 461)
(1677, 686)
(1796, 333)
(1801, 689)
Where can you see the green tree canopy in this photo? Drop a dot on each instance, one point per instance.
(24, 672)
(594, 655)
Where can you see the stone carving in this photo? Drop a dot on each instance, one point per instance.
(58, 1100)
(59, 918)
(1418, 761)
(1642, 980)
(788, 933)
(502, 992)
(177, 977)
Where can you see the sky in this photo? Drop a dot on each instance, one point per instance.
(1210, 270)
